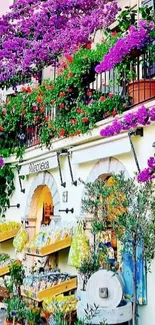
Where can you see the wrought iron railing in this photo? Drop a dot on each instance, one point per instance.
(136, 85)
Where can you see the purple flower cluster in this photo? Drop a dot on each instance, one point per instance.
(2, 163)
(147, 173)
(35, 32)
(136, 38)
(142, 116)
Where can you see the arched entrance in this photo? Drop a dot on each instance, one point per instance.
(104, 168)
(43, 202)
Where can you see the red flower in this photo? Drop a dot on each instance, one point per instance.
(4, 111)
(42, 109)
(102, 99)
(29, 90)
(71, 134)
(62, 94)
(114, 112)
(70, 74)
(73, 121)
(52, 101)
(111, 95)
(84, 119)
(70, 90)
(46, 118)
(36, 118)
(39, 99)
(78, 110)
(61, 105)
(114, 34)
(62, 132)
(24, 89)
(78, 132)
(49, 87)
(89, 93)
(69, 58)
(36, 77)
(103, 84)
(88, 46)
(1, 128)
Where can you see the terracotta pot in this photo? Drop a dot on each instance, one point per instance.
(141, 90)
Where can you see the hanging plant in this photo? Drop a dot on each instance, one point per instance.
(7, 187)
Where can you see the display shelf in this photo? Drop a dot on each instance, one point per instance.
(49, 249)
(52, 291)
(5, 269)
(8, 235)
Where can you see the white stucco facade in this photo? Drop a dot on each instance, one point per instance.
(91, 156)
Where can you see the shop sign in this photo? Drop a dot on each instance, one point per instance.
(38, 166)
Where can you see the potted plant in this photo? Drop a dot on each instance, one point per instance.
(134, 227)
(16, 311)
(17, 274)
(33, 316)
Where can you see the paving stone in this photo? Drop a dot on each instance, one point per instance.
(2, 317)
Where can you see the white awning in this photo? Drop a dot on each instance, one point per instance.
(100, 149)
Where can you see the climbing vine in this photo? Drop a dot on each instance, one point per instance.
(7, 187)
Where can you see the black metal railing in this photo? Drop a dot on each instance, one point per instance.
(136, 83)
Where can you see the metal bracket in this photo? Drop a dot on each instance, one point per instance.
(138, 132)
(20, 182)
(65, 152)
(67, 210)
(60, 172)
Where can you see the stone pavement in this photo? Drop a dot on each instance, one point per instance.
(2, 317)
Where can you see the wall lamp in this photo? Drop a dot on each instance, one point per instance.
(153, 144)
(65, 152)
(138, 132)
(13, 206)
(67, 210)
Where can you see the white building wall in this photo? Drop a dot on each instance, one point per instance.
(4, 6)
(144, 150)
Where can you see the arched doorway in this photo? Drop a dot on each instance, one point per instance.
(41, 209)
(103, 170)
(43, 202)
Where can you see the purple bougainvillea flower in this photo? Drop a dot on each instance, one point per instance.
(143, 116)
(34, 33)
(136, 38)
(151, 162)
(2, 163)
(144, 175)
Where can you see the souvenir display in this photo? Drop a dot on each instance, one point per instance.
(20, 240)
(8, 226)
(40, 281)
(51, 234)
(80, 247)
(66, 304)
(5, 260)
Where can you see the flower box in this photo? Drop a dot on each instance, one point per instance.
(141, 90)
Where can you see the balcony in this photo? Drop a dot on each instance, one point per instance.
(135, 86)
(138, 87)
